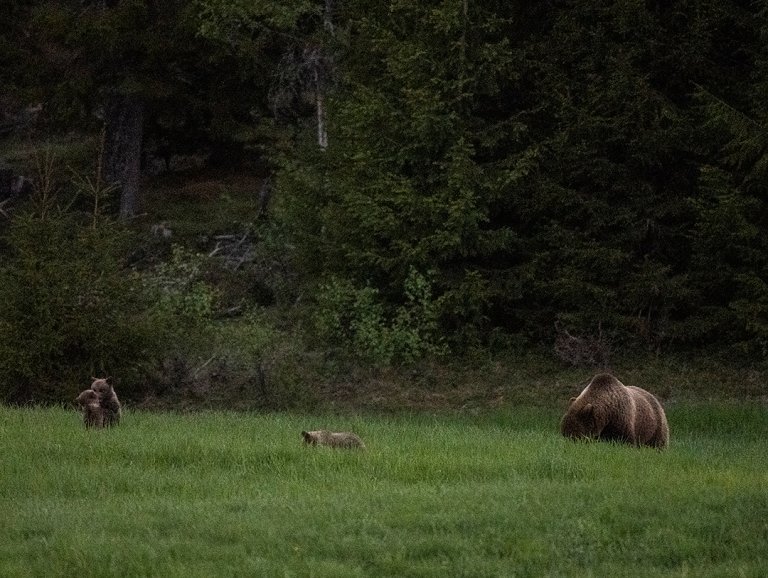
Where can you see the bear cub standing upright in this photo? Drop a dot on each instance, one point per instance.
(609, 410)
(108, 401)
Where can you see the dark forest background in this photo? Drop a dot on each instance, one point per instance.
(245, 196)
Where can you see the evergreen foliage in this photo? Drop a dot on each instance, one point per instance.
(546, 161)
(74, 308)
(69, 310)
(495, 174)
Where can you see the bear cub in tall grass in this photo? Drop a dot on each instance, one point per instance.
(609, 410)
(332, 439)
(108, 401)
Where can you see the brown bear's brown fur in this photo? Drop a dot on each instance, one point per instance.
(108, 401)
(609, 410)
(93, 414)
(332, 439)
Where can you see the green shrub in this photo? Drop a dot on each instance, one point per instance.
(70, 309)
(359, 321)
(74, 308)
(180, 298)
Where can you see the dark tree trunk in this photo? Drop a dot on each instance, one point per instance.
(124, 120)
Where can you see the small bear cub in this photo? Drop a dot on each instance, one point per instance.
(93, 414)
(108, 401)
(332, 439)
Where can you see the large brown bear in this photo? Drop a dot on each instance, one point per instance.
(609, 410)
(108, 401)
(332, 439)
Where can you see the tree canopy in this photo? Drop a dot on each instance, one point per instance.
(586, 168)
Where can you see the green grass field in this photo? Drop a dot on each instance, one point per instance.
(226, 494)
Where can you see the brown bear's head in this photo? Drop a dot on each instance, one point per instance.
(101, 386)
(310, 437)
(87, 397)
(581, 421)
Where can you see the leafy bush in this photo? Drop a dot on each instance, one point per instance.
(70, 309)
(74, 308)
(358, 319)
(271, 368)
(180, 297)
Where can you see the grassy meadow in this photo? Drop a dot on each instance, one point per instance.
(502, 494)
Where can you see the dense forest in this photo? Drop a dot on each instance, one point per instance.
(427, 180)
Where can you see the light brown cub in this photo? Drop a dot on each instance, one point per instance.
(333, 439)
